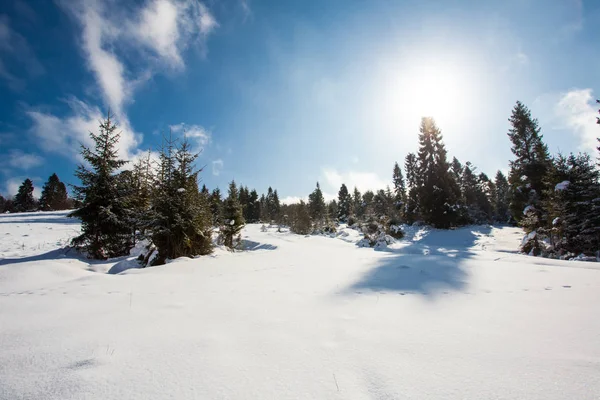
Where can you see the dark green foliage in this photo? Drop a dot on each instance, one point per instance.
(104, 217)
(501, 198)
(574, 205)
(413, 179)
(253, 208)
(54, 195)
(438, 193)
(299, 218)
(332, 210)
(2, 204)
(344, 203)
(181, 217)
(528, 170)
(368, 204)
(399, 191)
(270, 209)
(216, 207)
(358, 210)
(233, 219)
(24, 200)
(316, 206)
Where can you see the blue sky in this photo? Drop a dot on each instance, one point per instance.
(285, 93)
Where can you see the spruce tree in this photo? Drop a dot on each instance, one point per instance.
(357, 204)
(24, 200)
(216, 207)
(528, 170)
(344, 203)
(300, 221)
(332, 210)
(233, 219)
(54, 195)
(181, 217)
(439, 192)
(399, 191)
(104, 217)
(253, 207)
(316, 206)
(2, 204)
(413, 178)
(367, 204)
(501, 199)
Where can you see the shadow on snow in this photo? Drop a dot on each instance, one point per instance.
(429, 264)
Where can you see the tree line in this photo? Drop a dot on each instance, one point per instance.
(54, 197)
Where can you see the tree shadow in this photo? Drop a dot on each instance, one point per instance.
(428, 264)
(250, 245)
(58, 221)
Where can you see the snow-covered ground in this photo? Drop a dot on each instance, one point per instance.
(440, 315)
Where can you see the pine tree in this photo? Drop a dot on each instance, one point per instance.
(439, 192)
(233, 219)
(264, 212)
(316, 206)
(24, 200)
(332, 210)
(574, 205)
(357, 205)
(2, 204)
(104, 218)
(413, 178)
(344, 203)
(399, 191)
(244, 196)
(54, 195)
(501, 200)
(299, 218)
(181, 219)
(528, 170)
(216, 207)
(367, 204)
(253, 207)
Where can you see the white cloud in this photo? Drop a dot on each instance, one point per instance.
(293, 199)
(199, 134)
(64, 135)
(362, 180)
(217, 167)
(576, 111)
(21, 160)
(11, 186)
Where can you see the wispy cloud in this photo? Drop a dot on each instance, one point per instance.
(576, 111)
(293, 199)
(217, 167)
(158, 32)
(20, 160)
(200, 135)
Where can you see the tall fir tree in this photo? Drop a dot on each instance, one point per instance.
(104, 217)
(54, 195)
(299, 218)
(528, 170)
(316, 206)
(344, 203)
(399, 191)
(357, 204)
(253, 211)
(182, 221)
(2, 204)
(233, 219)
(413, 179)
(438, 193)
(501, 198)
(216, 207)
(24, 200)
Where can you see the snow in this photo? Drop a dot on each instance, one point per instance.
(180, 190)
(438, 314)
(562, 186)
(528, 209)
(555, 221)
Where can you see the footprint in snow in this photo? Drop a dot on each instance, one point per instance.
(567, 286)
(548, 288)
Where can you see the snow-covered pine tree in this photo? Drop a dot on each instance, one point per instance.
(344, 204)
(181, 218)
(233, 219)
(316, 207)
(573, 204)
(54, 195)
(399, 191)
(439, 192)
(413, 179)
(357, 205)
(299, 218)
(528, 170)
(501, 198)
(24, 200)
(104, 218)
(216, 207)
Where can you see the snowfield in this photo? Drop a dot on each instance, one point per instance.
(439, 315)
